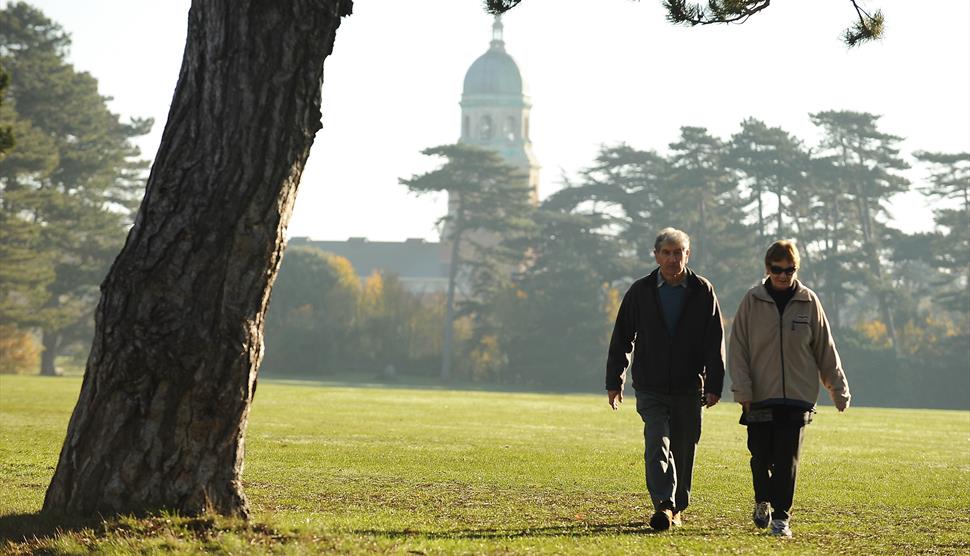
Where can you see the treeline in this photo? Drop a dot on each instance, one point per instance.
(540, 285)
(323, 318)
(538, 305)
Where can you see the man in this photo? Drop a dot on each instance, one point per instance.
(672, 320)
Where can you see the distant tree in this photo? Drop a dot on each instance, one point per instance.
(19, 351)
(558, 328)
(310, 324)
(702, 198)
(626, 188)
(864, 160)
(74, 176)
(490, 204)
(772, 161)
(950, 181)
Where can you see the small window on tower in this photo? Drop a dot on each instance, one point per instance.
(465, 124)
(509, 129)
(526, 135)
(485, 129)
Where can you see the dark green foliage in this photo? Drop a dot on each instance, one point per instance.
(69, 184)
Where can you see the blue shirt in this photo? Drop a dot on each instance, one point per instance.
(671, 300)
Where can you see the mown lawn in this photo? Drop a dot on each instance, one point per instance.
(362, 470)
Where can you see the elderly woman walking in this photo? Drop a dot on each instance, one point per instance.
(781, 345)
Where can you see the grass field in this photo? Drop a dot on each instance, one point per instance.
(363, 470)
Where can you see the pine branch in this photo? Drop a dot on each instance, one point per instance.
(499, 7)
(868, 27)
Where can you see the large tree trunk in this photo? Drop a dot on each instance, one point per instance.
(172, 371)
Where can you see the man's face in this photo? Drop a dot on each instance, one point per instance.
(672, 258)
(778, 273)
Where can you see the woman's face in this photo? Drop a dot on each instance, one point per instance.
(781, 273)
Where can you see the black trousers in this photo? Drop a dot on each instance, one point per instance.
(774, 448)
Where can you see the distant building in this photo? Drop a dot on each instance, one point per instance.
(495, 109)
(421, 265)
(494, 114)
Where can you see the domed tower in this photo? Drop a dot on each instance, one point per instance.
(495, 109)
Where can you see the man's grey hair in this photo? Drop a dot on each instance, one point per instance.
(671, 235)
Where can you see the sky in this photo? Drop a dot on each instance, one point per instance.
(616, 72)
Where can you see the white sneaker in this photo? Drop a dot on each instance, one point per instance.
(761, 514)
(780, 528)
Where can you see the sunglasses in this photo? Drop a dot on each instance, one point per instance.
(778, 270)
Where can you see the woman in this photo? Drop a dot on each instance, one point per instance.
(780, 346)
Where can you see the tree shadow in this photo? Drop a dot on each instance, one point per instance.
(26, 527)
(32, 527)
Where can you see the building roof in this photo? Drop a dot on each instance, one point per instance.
(413, 258)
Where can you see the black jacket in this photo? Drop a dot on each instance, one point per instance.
(690, 361)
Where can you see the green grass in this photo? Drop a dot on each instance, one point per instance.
(363, 470)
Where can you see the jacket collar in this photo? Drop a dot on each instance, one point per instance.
(801, 292)
(691, 280)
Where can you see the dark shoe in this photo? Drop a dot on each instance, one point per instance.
(661, 519)
(761, 514)
(677, 519)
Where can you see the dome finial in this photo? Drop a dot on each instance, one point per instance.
(498, 43)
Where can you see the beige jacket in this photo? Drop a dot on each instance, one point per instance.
(776, 360)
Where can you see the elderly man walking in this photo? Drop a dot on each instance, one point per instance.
(672, 321)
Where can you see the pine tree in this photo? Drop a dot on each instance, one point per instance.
(771, 161)
(490, 207)
(950, 182)
(74, 174)
(863, 160)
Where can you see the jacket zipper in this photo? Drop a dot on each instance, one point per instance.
(781, 348)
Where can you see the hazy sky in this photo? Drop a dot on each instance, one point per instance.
(614, 73)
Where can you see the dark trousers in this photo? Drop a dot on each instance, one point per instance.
(671, 430)
(774, 448)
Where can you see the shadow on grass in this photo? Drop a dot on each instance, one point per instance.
(572, 530)
(24, 527)
(19, 528)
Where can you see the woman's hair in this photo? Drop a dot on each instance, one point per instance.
(783, 249)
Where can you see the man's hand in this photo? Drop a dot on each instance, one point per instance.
(710, 400)
(746, 406)
(616, 398)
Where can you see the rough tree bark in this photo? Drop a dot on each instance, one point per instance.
(163, 407)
